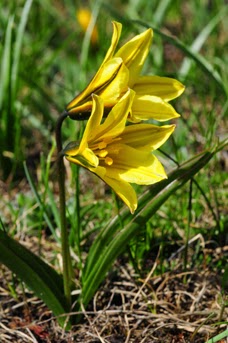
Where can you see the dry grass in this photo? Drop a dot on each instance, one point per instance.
(176, 307)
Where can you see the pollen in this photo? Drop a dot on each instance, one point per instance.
(109, 161)
(102, 153)
(102, 145)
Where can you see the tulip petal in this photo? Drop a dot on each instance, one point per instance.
(113, 72)
(122, 188)
(134, 166)
(93, 122)
(114, 124)
(86, 158)
(146, 136)
(134, 54)
(115, 87)
(117, 28)
(163, 87)
(146, 107)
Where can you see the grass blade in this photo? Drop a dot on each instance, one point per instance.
(218, 338)
(39, 276)
(160, 12)
(18, 44)
(200, 40)
(38, 199)
(6, 58)
(6, 139)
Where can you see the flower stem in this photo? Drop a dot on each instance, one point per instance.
(67, 266)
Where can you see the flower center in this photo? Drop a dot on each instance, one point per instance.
(102, 153)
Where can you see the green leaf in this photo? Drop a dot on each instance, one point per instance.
(218, 338)
(43, 280)
(5, 62)
(41, 204)
(161, 11)
(18, 45)
(110, 243)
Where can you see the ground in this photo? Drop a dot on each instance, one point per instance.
(176, 307)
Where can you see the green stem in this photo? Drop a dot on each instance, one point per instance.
(67, 266)
(188, 227)
(75, 233)
(78, 219)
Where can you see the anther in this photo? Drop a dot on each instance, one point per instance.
(109, 161)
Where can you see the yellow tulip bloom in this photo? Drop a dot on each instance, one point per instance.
(84, 16)
(121, 70)
(117, 153)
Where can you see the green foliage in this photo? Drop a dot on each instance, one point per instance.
(38, 275)
(218, 338)
(11, 54)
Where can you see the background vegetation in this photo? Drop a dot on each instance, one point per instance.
(46, 59)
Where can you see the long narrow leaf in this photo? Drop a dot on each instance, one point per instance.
(18, 44)
(161, 11)
(39, 276)
(6, 59)
(110, 244)
(218, 337)
(6, 139)
(200, 40)
(38, 199)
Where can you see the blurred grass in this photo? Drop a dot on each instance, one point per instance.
(56, 61)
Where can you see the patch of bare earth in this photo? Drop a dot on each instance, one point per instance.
(176, 307)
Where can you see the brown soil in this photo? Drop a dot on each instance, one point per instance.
(176, 307)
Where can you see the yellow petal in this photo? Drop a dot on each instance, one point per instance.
(118, 85)
(152, 107)
(86, 158)
(163, 87)
(104, 76)
(146, 136)
(83, 155)
(123, 189)
(134, 54)
(114, 124)
(84, 16)
(93, 122)
(145, 175)
(134, 166)
(117, 28)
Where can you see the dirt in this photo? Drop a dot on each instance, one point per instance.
(179, 306)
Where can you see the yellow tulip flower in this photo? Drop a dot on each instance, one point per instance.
(117, 153)
(121, 70)
(84, 16)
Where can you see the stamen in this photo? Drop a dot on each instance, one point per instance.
(102, 145)
(109, 161)
(102, 153)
